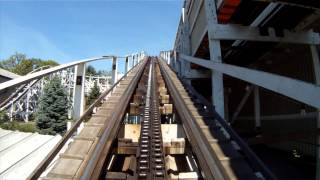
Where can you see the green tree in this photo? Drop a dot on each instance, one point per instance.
(52, 112)
(3, 117)
(94, 94)
(12, 61)
(104, 73)
(24, 67)
(20, 64)
(37, 63)
(90, 70)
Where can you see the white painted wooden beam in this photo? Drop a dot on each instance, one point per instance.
(78, 91)
(215, 56)
(249, 33)
(126, 66)
(296, 89)
(37, 75)
(114, 70)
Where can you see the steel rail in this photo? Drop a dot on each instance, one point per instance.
(143, 157)
(95, 163)
(52, 154)
(158, 160)
(208, 163)
(151, 163)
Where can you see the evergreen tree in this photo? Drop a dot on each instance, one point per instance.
(94, 94)
(52, 112)
(90, 70)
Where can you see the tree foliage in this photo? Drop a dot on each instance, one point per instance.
(3, 117)
(94, 94)
(90, 70)
(52, 112)
(20, 64)
(19, 126)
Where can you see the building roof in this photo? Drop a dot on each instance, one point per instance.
(21, 153)
(8, 74)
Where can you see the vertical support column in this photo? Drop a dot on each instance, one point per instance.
(215, 55)
(257, 116)
(11, 110)
(78, 91)
(174, 64)
(186, 46)
(138, 58)
(28, 105)
(132, 56)
(316, 67)
(126, 67)
(135, 59)
(114, 70)
(186, 72)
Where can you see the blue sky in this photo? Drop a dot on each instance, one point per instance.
(70, 30)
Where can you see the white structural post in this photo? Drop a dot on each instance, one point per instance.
(78, 91)
(27, 105)
(215, 55)
(174, 64)
(167, 55)
(132, 60)
(11, 111)
(114, 70)
(186, 46)
(257, 116)
(316, 67)
(126, 67)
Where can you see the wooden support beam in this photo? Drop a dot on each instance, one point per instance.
(241, 104)
(250, 33)
(78, 91)
(114, 70)
(257, 115)
(316, 68)
(40, 74)
(307, 93)
(215, 56)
